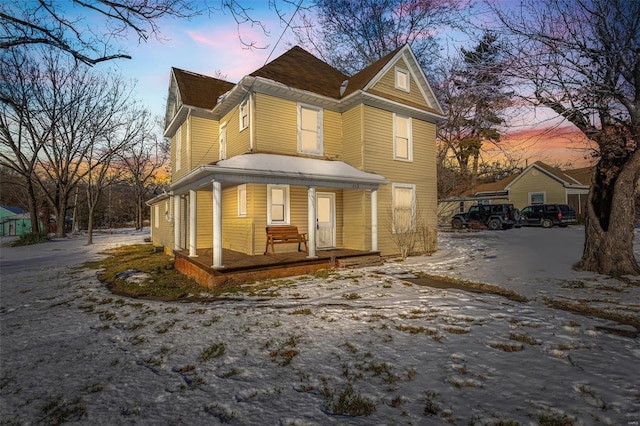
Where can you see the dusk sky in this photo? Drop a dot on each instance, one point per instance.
(210, 44)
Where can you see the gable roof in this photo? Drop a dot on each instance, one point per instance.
(14, 210)
(359, 80)
(200, 90)
(553, 172)
(299, 69)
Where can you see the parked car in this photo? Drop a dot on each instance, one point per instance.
(548, 215)
(493, 216)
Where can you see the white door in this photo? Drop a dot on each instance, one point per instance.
(326, 213)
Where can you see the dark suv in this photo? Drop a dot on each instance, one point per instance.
(493, 216)
(548, 215)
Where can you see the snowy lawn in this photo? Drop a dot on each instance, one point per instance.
(361, 346)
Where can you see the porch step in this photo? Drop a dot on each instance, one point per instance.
(359, 261)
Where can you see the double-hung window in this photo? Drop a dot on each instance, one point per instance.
(243, 114)
(310, 130)
(404, 207)
(278, 204)
(402, 144)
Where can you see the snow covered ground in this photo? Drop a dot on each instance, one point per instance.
(359, 346)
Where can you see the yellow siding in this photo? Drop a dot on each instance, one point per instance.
(355, 223)
(162, 236)
(421, 171)
(237, 142)
(276, 125)
(538, 182)
(332, 134)
(387, 85)
(257, 208)
(204, 141)
(204, 218)
(352, 136)
(237, 232)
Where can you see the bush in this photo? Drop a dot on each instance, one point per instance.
(30, 239)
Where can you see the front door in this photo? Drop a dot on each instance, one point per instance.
(326, 213)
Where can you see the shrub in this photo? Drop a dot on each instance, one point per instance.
(30, 239)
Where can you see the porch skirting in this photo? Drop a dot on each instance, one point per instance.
(243, 268)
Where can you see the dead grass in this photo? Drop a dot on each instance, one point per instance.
(164, 282)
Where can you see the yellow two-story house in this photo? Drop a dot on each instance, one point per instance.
(349, 160)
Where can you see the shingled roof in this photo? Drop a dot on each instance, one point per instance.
(360, 79)
(299, 69)
(200, 90)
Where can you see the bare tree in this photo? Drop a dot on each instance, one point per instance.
(90, 30)
(74, 114)
(353, 34)
(22, 135)
(581, 58)
(70, 25)
(142, 163)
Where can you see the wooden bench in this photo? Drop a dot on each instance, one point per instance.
(284, 234)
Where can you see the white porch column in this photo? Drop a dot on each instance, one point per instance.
(312, 222)
(217, 225)
(374, 220)
(193, 207)
(176, 222)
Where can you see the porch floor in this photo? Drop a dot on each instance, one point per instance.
(239, 267)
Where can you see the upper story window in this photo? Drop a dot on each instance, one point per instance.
(243, 114)
(222, 155)
(310, 130)
(402, 144)
(402, 79)
(178, 149)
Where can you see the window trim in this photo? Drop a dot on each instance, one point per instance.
(178, 140)
(245, 104)
(156, 214)
(531, 194)
(222, 147)
(409, 138)
(405, 72)
(242, 200)
(287, 209)
(319, 129)
(412, 187)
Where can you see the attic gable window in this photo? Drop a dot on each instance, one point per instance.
(402, 143)
(310, 130)
(402, 79)
(243, 114)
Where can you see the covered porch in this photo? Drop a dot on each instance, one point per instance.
(263, 169)
(240, 268)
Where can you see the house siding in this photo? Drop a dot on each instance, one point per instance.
(387, 86)
(352, 151)
(421, 171)
(276, 125)
(204, 141)
(539, 182)
(162, 236)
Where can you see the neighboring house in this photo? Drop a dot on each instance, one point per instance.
(14, 221)
(351, 158)
(538, 183)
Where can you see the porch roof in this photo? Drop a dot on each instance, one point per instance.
(278, 169)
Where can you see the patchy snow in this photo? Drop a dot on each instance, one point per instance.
(314, 349)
